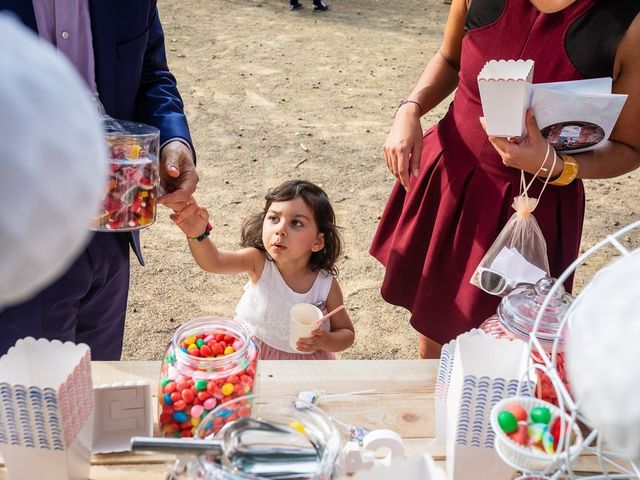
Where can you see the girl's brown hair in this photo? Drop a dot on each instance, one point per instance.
(323, 213)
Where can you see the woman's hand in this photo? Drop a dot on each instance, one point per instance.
(403, 146)
(527, 153)
(313, 343)
(192, 219)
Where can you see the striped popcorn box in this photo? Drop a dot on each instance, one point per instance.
(442, 387)
(484, 371)
(46, 409)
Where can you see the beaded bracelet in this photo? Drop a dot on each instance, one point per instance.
(569, 171)
(207, 232)
(403, 102)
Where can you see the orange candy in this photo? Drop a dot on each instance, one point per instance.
(517, 411)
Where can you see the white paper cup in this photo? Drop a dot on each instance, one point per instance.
(303, 321)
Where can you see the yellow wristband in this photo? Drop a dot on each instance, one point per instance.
(569, 171)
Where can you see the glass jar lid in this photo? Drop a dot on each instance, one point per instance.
(122, 128)
(518, 310)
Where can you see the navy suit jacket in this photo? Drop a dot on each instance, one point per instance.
(132, 76)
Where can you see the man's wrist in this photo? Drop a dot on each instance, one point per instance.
(179, 140)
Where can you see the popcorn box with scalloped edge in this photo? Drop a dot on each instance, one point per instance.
(505, 93)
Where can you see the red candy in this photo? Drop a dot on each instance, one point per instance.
(188, 396)
(554, 430)
(521, 435)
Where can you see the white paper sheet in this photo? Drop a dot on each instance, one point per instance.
(576, 116)
(515, 268)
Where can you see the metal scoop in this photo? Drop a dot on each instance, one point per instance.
(248, 446)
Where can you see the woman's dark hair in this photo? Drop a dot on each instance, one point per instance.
(323, 214)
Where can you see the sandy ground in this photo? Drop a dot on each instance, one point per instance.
(273, 95)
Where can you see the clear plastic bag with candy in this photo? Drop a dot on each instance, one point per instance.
(131, 195)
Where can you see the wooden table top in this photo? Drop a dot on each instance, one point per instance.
(403, 401)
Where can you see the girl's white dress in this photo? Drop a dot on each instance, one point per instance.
(266, 305)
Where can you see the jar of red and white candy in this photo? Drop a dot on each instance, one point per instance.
(133, 177)
(516, 317)
(208, 362)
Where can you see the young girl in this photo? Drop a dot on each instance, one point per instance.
(290, 252)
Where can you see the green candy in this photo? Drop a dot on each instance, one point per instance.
(201, 385)
(200, 342)
(507, 421)
(170, 359)
(541, 415)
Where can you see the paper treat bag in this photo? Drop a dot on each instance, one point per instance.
(46, 410)
(485, 370)
(505, 92)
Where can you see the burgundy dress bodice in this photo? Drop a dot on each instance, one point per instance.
(432, 238)
(503, 39)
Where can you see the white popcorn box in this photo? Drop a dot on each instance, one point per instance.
(122, 411)
(505, 92)
(485, 370)
(442, 387)
(46, 410)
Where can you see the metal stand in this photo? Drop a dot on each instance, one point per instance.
(593, 441)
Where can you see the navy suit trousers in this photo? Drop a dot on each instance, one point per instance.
(86, 305)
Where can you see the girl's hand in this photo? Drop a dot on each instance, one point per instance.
(313, 343)
(526, 153)
(192, 219)
(403, 146)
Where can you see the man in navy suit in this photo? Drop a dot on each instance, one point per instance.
(118, 48)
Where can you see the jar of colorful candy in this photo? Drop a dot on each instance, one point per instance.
(516, 316)
(133, 177)
(209, 361)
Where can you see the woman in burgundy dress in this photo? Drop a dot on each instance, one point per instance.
(455, 186)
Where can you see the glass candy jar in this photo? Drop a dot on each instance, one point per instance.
(209, 361)
(278, 439)
(133, 179)
(516, 316)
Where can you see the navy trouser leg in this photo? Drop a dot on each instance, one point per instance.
(101, 316)
(86, 305)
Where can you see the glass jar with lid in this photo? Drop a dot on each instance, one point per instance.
(273, 437)
(209, 361)
(516, 316)
(133, 181)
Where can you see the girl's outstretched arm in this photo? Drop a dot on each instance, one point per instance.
(341, 335)
(193, 221)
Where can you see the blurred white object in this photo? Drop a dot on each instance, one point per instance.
(53, 161)
(603, 357)
(387, 441)
(415, 467)
(355, 458)
(122, 411)
(366, 465)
